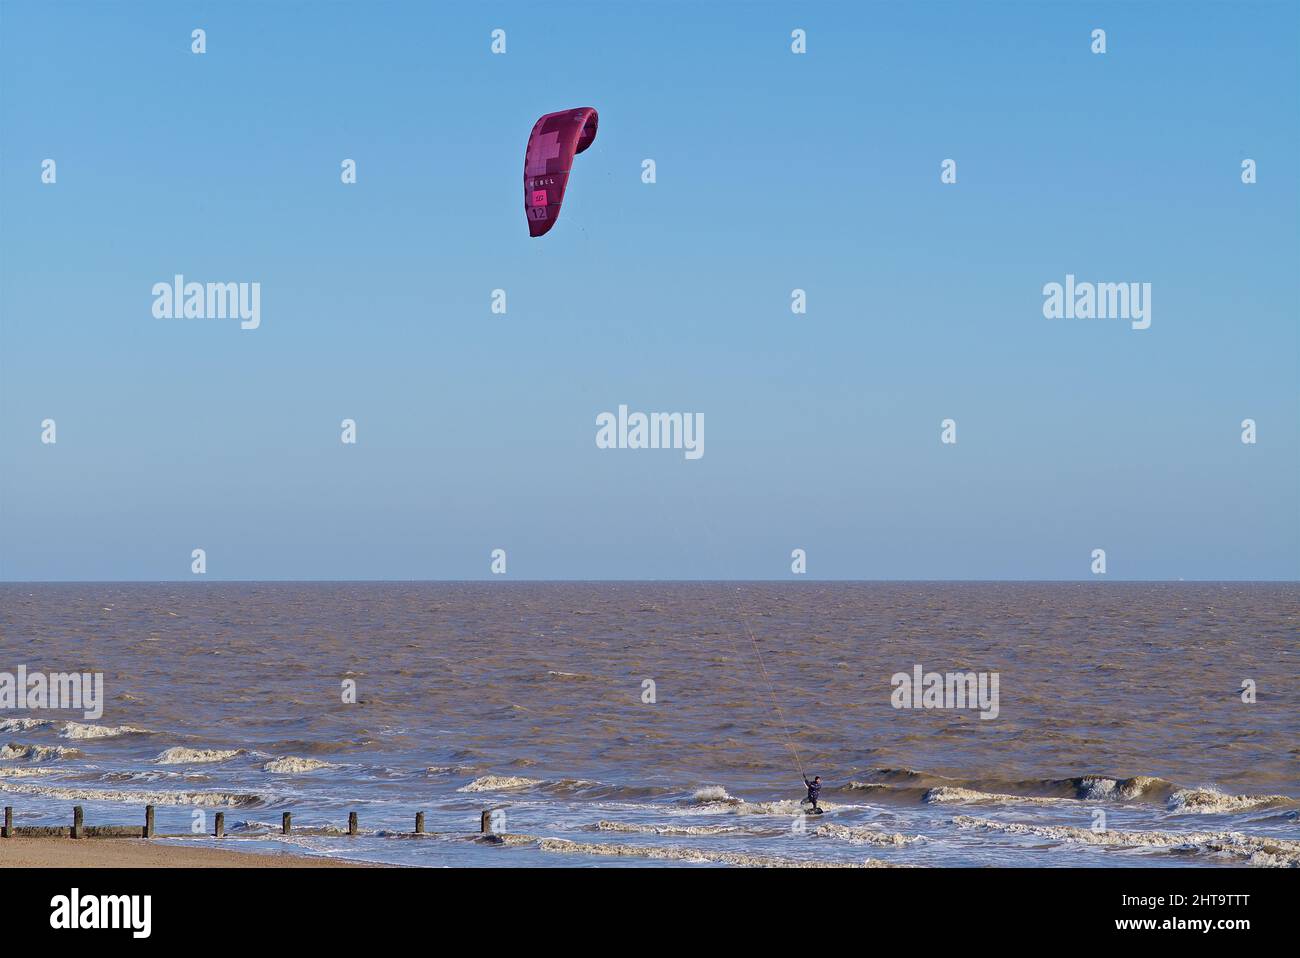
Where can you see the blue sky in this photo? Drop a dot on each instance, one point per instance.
(775, 171)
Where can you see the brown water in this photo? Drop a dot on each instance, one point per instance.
(540, 686)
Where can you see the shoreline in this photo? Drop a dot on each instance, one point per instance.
(147, 853)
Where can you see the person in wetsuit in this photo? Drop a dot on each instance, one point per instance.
(814, 789)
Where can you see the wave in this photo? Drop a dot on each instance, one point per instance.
(26, 771)
(151, 775)
(699, 855)
(605, 826)
(449, 770)
(80, 730)
(907, 784)
(37, 753)
(272, 830)
(500, 783)
(866, 836)
(1211, 801)
(180, 755)
(292, 765)
(564, 786)
(730, 805)
(1254, 849)
(1103, 788)
(787, 806)
(24, 724)
(716, 798)
(1201, 801)
(134, 797)
(947, 794)
(76, 730)
(713, 794)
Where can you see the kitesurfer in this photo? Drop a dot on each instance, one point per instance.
(814, 789)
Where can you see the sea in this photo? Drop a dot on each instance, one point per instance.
(633, 724)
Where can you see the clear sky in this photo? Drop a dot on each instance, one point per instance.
(775, 171)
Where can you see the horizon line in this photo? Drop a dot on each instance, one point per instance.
(196, 580)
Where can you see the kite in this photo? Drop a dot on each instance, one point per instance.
(555, 140)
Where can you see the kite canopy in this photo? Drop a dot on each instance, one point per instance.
(555, 140)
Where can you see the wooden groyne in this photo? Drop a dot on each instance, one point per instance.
(79, 829)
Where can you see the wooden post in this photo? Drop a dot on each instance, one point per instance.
(485, 822)
(419, 823)
(352, 823)
(220, 830)
(78, 822)
(148, 821)
(286, 823)
(9, 821)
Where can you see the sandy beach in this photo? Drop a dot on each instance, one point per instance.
(138, 853)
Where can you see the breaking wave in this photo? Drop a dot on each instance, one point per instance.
(26, 771)
(710, 794)
(80, 730)
(77, 730)
(193, 756)
(36, 753)
(23, 724)
(934, 789)
(1253, 849)
(605, 826)
(135, 798)
(949, 794)
(866, 836)
(291, 765)
(1211, 801)
(499, 783)
(563, 786)
(1101, 788)
(700, 855)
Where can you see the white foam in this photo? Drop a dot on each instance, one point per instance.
(866, 836)
(36, 753)
(22, 724)
(79, 730)
(951, 794)
(292, 765)
(499, 783)
(1254, 848)
(712, 793)
(193, 756)
(1211, 801)
(628, 827)
(1099, 787)
(701, 855)
(26, 771)
(135, 798)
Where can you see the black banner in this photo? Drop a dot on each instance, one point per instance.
(339, 906)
